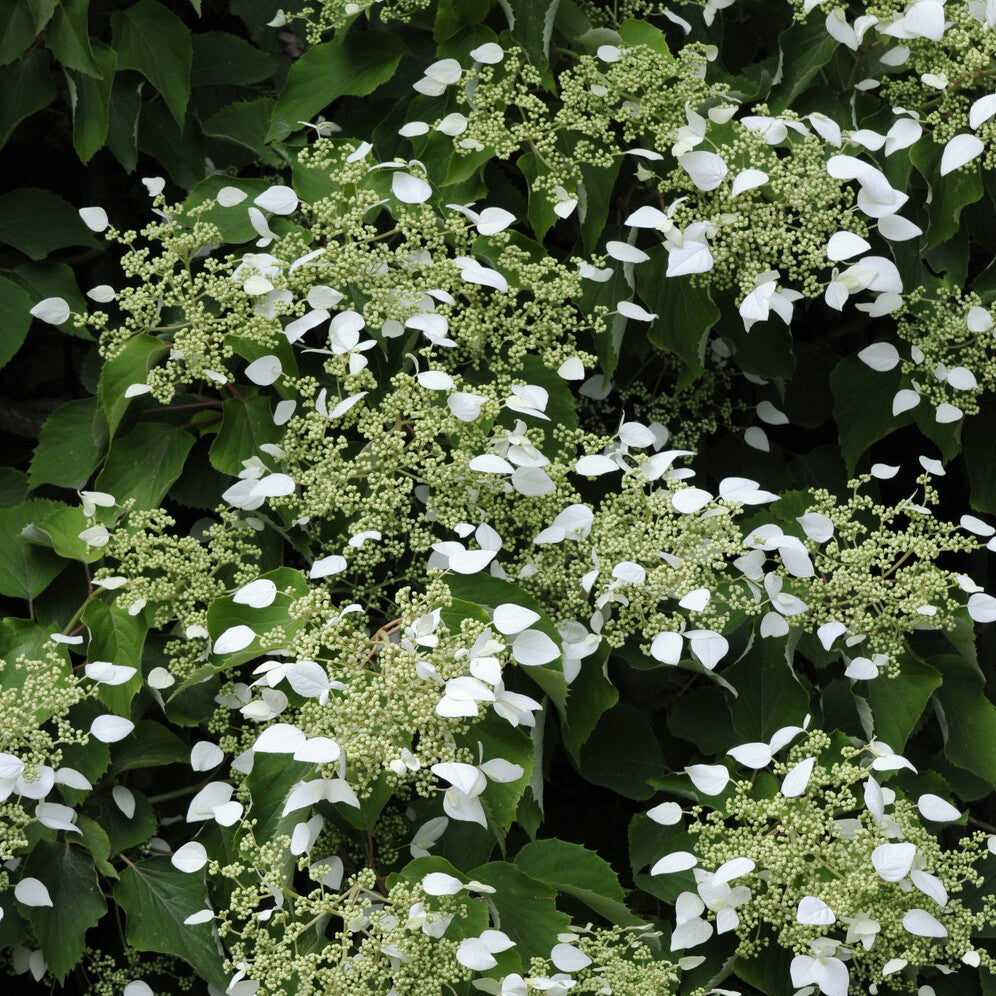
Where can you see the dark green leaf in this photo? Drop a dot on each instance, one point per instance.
(977, 437)
(123, 832)
(157, 899)
(245, 123)
(27, 87)
(71, 444)
(179, 150)
(270, 781)
(948, 194)
(143, 464)
(149, 745)
(527, 911)
(156, 43)
(128, 367)
(246, 425)
(579, 872)
(591, 696)
(805, 49)
(897, 703)
(862, 406)
(117, 637)
(13, 487)
(14, 318)
(68, 38)
(219, 57)
(685, 312)
(357, 65)
(623, 753)
(37, 222)
(969, 715)
(123, 111)
(17, 30)
(41, 11)
(768, 694)
(530, 23)
(26, 570)
(47, 279)
(89, 98)
(77, 903)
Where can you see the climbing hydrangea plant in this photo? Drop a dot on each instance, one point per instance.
(520, 525)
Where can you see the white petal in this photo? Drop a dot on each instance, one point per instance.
(880, 356)
(960, 150)
(205, 756)
(982, 110)
(930, 885)
(666, 814)
(234, 639)
(490, 53)
(441, 884)
(815, 912)
(124, 799)
(982, 607)
(706, 169)
(846, 245)
(647, 217)
(230, 196)
(753, 755)
(257, 594)
(933, 807)
(679, 861)
(689, 500)
(278, 200)
(709, 779)
(795, 782)
(633, 311)
(308, 678)
(922, 924)
(692, 257)
(410, 189)
(474, 954)
(32, 892)
(57, 817)
(893, 861)
(709, 647)
(666, 648)
(747, 179)
(493, 220)
(734, 868)
(533, 648)
(201, 916)
(511, 618)
(279, 738)
(95, 218)
(327, 566)
(904, 400)
(109, 674)
(110, 729)
(53, 310)
(264, 371)
(191, 857)
(962, 379)
(595, 465)
(898, 229)
(569, 958)
(625, 253)
(138, 988)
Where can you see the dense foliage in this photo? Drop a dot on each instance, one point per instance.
(494, 497)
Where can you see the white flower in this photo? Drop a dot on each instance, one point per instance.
(821, 969)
